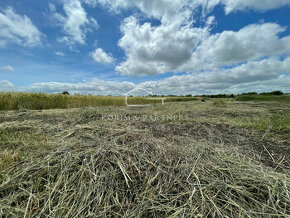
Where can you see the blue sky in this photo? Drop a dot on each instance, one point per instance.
(166, 46)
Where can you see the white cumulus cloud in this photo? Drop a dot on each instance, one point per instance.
(154, 50)
(102, 57)
(177, 45)
(229, 47)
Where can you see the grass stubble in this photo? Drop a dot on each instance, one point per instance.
(72, 163)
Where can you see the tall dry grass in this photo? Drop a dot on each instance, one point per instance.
(40, 101)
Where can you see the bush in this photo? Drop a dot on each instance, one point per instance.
(65, 93)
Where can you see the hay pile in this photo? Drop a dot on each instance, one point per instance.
(148, 178)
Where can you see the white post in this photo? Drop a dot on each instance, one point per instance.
(126, 100)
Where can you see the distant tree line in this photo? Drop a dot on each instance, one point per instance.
(170, 96)
(65, 93)
(277, 92)
(218, 96)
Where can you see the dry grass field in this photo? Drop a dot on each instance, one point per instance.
(219, 158)
(41, 101)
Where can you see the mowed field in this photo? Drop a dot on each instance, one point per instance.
(218, 158)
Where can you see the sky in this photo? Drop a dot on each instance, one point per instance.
(109, 47)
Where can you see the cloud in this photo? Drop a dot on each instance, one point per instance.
(58, 53)
(250, 76)
(177, 47)
(169, 10)
(18, 29)
(6, 86)
(165, 10)
(254, 58)
(91, 3)
(6, 68)
(102, 57)
(95, 86)
(75, 23)
(229, 47)
(94, 23)
(263, 75)
(262, 5)
(154, 50)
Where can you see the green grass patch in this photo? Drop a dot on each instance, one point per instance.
(273, 123)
